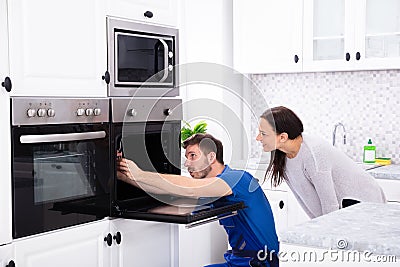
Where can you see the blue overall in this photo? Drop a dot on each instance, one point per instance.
(253, 229)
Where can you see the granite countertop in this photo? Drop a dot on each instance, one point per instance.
(391, 172)
(363, 227)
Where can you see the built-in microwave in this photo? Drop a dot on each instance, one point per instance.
(141, 59)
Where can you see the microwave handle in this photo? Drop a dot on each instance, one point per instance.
(165, 76)
(67, 137)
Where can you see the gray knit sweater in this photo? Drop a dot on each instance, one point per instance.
(320, 176)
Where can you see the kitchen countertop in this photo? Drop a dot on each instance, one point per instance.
(391, 172)
(363, 227)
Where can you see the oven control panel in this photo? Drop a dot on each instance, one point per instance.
(30, 111)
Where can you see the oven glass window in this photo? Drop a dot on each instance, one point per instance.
(61, 183)
(63, 172)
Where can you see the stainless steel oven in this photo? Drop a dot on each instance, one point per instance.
(141, 59)
(147, 131)
(60, 163)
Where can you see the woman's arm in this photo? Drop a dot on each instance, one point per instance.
(172, 184)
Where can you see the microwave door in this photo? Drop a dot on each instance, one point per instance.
(161, 59)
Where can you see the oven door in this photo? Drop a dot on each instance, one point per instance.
(60, 176)
(154, 146)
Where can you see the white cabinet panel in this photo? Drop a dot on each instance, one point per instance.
(391, 188)
(161, 11)
(6, 255)
(57, 48)
(143, 243)
(279, 205)
(267, 36)
(5, 140)
(202, 245)
(81, 246)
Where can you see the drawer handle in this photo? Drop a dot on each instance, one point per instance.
(281, 204)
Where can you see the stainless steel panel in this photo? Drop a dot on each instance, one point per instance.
(146, 109)
(37, 111)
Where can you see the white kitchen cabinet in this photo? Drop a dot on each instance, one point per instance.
(391, 188)
(6, 255)
(267, 36)
(5, 140)
(57, 48)
(151, 11)
(279, 205)
(202, 245)
(79, 246)
(143, 243)
(351, 35)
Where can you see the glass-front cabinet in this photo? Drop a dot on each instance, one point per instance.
(351, 35)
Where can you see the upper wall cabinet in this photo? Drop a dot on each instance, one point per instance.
(267, 36)
(152, 11)
(351, 35)
(57, 48)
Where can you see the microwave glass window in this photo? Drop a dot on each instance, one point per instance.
(63, 172)
(142, 59)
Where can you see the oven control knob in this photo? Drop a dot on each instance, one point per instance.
(170, 67)
(51, 112)
(167, 112)
(31, 112)
(41, 112)
(132, 112)
(170, 54)
(89, 112)
(97, 111)
(80, 112)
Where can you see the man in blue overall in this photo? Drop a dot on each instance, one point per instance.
(252, 232)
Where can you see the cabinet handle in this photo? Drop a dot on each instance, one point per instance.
(108, 239)
(358, 55)
(148, 14)
(296, 58)
(347, 56)
(106, 77)
(281, 204)
(7, 84)
(11, 264)
(117, 237)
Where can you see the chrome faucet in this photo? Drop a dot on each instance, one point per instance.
(334, 133)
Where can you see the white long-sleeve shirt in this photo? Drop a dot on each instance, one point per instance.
(321, 176)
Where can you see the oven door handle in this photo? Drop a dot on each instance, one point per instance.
(67, 137)
(165, 76)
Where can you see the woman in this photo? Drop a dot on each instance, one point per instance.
(322, 178)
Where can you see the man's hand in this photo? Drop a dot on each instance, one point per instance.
(127, 170)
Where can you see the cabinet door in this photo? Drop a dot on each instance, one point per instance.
(81, 246)
(57, 48)
(267, 36)
(151, 11)
(143, 243)
(391, 188)
(202, 245)
(328, 35)
(5, 140)
(279, 205)
(378, 34)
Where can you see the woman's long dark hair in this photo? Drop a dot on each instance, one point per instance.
(282, 120)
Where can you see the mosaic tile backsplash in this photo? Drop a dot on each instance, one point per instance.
(366, 102)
